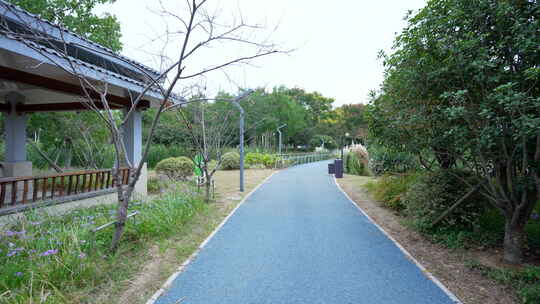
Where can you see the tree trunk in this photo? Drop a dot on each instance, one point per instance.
(445, 159)
(514, 237)
(124, 196)
(208, 184)
(120, 222)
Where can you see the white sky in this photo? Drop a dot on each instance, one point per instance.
(336, 42)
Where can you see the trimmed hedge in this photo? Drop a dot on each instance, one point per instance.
(230, 161)
(176, 167)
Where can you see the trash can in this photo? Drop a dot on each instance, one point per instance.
(338, 168)
(330, 168)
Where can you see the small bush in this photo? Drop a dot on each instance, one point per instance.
(176, 167)
(159, 152)
(528, 286)
(525, 281)
(530, 294)
(390, 189)
(434, 192)
(260, 160)
(383, 160)
(270, 160)
(355, 163)
(254, 158)
(230, 161)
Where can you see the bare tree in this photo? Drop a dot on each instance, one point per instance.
(211, 131)
(197, 28)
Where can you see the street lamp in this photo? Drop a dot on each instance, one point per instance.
(343, 143)
(236, 102)
(282, 126)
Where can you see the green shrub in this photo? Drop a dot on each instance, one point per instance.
(390, 189)
(530, 294)
(260, 160)
(434, 192)
(254, 158)
(176, 167)
(525, 281)
(159, 152)
(230, 161)
(383, 160)
(355, 164)
(270, 160)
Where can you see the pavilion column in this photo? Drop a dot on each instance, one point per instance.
(133, 137)
(15, 163)
(132, 133)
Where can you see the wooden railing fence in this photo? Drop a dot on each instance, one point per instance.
(29, 189)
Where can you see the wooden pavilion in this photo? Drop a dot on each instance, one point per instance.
(32, 79)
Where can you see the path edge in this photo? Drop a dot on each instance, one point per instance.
(181, 268)
(428, 274)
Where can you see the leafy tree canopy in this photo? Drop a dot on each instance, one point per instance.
(462, 83)
(78, 16)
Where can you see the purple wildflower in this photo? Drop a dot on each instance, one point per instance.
(32, 251)
(49, 252)
(82, 255)
(15, 251)
(10, 233)
(18, 273)
(535, 216)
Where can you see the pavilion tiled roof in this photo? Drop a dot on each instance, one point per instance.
(105, 61)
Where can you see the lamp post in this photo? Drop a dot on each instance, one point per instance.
(236, 102)
(343, 143)
(279, 132)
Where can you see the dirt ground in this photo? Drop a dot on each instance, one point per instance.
(164, 259)
(446, 265)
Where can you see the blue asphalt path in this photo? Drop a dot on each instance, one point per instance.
(298, 239)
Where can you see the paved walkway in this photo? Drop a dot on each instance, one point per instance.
(298, 239)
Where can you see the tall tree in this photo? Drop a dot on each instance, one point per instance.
(463, 81)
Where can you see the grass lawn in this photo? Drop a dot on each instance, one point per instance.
(57, 259)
